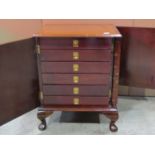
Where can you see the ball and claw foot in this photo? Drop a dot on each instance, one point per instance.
(113, 127)
(42, 125)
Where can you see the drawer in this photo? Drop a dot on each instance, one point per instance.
(92, 79)
(76, 55)
(71, 90)
(72, 100)
(76, 67)
(75, 43)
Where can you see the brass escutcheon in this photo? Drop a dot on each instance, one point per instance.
(75, 43)
(75, 67)
(75, 79)
(76, 101)
(76, 55)
(76, 90)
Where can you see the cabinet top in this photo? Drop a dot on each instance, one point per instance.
(75, 30)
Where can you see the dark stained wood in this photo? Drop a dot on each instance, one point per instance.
(138, 57)
(68, 100)
(63, 90)
(18, 79)
(83, 67)
(85, 79)
(84, 55)
(67, 43)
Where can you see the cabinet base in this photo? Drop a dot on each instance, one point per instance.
(111, 113)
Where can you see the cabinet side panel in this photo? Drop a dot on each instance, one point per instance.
(116, 70)
(18, 79)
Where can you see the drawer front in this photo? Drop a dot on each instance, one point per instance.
(92, 79)
(71, 90)
(78, 67)
(72, 100)
(76, 55)
(76, 43)
(76, 71)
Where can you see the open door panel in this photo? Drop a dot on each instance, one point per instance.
(138, 57)
(18, 79)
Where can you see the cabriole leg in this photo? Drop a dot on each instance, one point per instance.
(113, 116)
(42, 117)
(113, 127)
(42, 126)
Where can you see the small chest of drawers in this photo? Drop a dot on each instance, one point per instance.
(78, 74)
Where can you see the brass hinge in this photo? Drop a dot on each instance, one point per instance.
(109, 93)
(41, 95)
(38, 49)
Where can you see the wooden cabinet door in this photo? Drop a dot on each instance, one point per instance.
(18, 79)
(138, 57)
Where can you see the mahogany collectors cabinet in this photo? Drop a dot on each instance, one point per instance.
(74, 68)
(78, 70)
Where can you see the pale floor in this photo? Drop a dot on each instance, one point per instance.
(137, 116)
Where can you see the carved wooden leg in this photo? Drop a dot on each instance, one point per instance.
(113, 116)
(113, 127)
(42, 126)
(42, 117)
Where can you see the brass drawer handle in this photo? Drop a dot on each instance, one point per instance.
(76, 101)
(75, 79)
(75, 43)
(76, 90)
(75, 67)
(76, 56)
